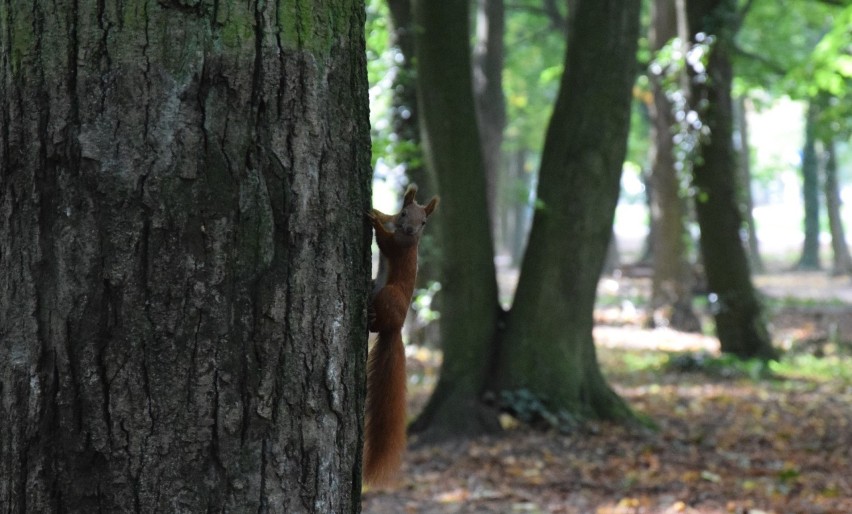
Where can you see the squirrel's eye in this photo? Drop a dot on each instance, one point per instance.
(402, 214)
(424, 222)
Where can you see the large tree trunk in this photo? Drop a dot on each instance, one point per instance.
(548, 349)
(469, 308)
(739, 324)
(842, 262)
(810, 193)
(671, 296)
(184, 258)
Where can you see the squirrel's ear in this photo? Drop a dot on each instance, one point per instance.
(410, 191)
(431, 205)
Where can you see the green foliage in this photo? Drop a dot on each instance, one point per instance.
(422, 303)
(533, 69)
(670, 64)
(835, 369)
(721, 366)
(528, 408)
(796, 367)
(634, 362)
(799, 48)
(380, 69)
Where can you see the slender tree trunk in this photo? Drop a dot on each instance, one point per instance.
(646, 255)
(469, 288)
(488, 92)
(810, 193)
(548, 348)
(739, 323)
(519, 212)
(842, 262)
(184, 259)
(744, 180)
(671, 297)
(408, 148)
(406, 119)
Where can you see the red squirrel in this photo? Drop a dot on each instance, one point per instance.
(398, 237)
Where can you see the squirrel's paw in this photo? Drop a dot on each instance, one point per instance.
(371, 216)
(371, 318)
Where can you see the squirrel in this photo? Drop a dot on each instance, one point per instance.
(398, 237)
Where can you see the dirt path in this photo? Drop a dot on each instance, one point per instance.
(811, 285)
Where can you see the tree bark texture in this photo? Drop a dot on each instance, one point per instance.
(469, 307)
(740, 325)
(548, 348)
(184, 259)
(672, 280)
(841, 261)
(810, 192)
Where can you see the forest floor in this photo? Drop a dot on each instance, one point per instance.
(727, 437)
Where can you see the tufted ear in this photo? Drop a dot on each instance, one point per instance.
(431, 205)
(408, 198)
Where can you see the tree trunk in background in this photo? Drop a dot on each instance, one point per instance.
(739, 323)
(488, 92)
(184, 259)
(518, 212)
(842, 262)
(406, 120)
(744, 180)
(408, 148)
(469, 308)
(548, 348)
(810, 193)
(671, 298)
(646, 255)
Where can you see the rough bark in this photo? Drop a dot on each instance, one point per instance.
(184, 259)
(809, 259)
(548, 348)
(671, 297)
(469, 308)
(841, 262)
(740, 325)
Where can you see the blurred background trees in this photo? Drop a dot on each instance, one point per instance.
(737, 156)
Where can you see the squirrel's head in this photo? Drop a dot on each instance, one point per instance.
(413, 216)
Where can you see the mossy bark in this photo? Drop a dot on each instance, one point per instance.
(548, 347)
(469, 307)
(740, 325)
(184, 259)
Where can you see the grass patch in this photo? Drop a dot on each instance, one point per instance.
(833, 368)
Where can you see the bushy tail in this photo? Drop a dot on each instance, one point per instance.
(384, 440)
